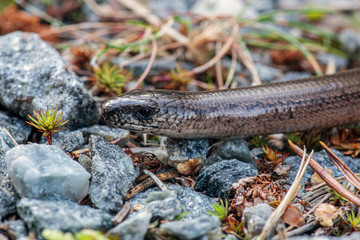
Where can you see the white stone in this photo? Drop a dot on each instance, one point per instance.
(42, 171)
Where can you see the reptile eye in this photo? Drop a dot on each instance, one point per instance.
(144, 113)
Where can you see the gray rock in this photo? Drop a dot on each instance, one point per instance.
(164, 9)
(324, 58)
(266, 73)
(235, 149)
(213, 158)
(191, 229)
(293, 75)
(5, 145)
(159, 152)
(67, 140)
(18, 128)
(8, 196)
(163, 205)
(353, 236)
(195, 203)
(227, 62)
(181, 150)
(350, 40)
(216, 180)
(112, 174)
(254, 218)
(222, 8)
(85, 162)
(160, 65)
(62, 215)
(133, 228)
(34, 76)
(323, 159)
(43, 171)
(265, 5)
(18, 228)
(106, 132)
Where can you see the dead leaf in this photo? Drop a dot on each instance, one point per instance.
(293, 216)
(326, 214)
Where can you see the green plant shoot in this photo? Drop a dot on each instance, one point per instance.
(48, 122)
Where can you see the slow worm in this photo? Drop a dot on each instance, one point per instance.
(311, 103)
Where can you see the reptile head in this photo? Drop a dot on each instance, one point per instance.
(137, 110)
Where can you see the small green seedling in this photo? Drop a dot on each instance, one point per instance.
(48, 122)
(220, 210)
(111, 78)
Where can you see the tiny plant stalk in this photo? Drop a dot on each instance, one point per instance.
(48, 122)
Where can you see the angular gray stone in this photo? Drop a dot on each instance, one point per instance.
(18, 228)
(191, 229)
(164, 9)
(106, 132)
(65, 216)
(322, 158)
(266, 73)
(112, 172)
(195, 203)
(181, 150)
(340, 62)
(67, 140)
(293, 75)
(160, 65)
(254, 218)
(17, 127)
(350, 40)
(43, 171)
(133, 228)
(233, 149)
(8, 196)
(352, 236)
(216, 180)
(33, 75)
(85, 162)
(163, 205)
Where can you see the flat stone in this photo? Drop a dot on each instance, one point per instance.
(163, 205)
(266, 74)
(43, 171)
(181, 150)
(17, 127)
(216, 180)
(160, 65)
(234, 149)
(325, 58)
(65, 216)
(293, 75)
(191, 229)
(195, 203)
(109, 133)
(112, 172)
(33, 76)
(350, 40)
(254, 219)
(133, 228)
(352, 236)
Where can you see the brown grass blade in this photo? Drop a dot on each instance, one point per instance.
(348, 174)
(330, 181)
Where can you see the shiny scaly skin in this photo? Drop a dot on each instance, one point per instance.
(299, 105)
